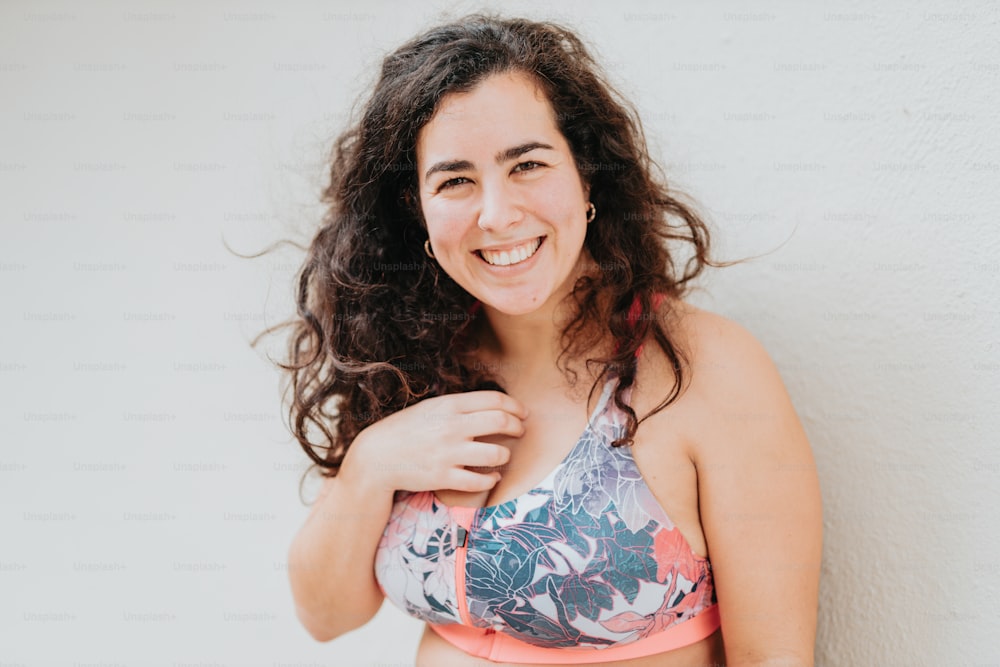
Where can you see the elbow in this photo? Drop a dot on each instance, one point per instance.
(318, 631)
(322, 630)
(327, 627)
(320, 636)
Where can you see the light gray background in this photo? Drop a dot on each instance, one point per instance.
(147, 482)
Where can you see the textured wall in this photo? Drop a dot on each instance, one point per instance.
(147, 485)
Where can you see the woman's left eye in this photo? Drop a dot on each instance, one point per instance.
(527, 166)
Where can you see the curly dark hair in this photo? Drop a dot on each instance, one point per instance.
(380, 327)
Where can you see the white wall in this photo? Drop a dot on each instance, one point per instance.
(147, 483)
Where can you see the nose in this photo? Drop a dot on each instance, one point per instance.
(500, 208)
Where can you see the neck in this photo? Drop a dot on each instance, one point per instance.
(522, 346)
(525, 348)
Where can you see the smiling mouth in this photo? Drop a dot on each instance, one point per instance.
(511, 256)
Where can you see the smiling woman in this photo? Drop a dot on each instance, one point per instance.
(482, 402)
(507, 223)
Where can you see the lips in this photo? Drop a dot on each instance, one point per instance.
(512, 255)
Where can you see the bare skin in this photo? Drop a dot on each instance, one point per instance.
(661, 451)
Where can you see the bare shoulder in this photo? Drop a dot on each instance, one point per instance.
(730, 382)
(722, 358)
(715, 342)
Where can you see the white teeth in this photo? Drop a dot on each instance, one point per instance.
(512, 256)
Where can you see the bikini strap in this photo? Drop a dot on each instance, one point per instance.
(635, 312)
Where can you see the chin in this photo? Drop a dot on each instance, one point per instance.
(517, 304)
(511, 309)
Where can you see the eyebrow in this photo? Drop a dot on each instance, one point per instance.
(501, 157)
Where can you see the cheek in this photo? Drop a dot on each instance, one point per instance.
(444, 223)
(561, 206)
(564, 193)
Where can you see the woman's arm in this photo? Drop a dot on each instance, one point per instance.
(760, 506)
(330, 559)
(430, 445)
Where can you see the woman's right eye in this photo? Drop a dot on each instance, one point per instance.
(452, 182)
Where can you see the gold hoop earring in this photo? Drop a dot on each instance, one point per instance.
(591, 212)
(427, 249)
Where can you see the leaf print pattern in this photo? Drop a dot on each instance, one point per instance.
(587, 559)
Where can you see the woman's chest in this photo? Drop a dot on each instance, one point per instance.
(559, 437)
(551, 432)
(582, 530)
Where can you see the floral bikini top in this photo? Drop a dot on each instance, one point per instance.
(585, 567)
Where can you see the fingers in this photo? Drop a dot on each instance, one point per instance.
(438, 436)
(482, 455)
(494, 421)
(478, 401)
(466, 416)
(467, 480)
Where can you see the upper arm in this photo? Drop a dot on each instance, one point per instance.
(760, 505)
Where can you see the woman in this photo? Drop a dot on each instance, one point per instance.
(495, 278)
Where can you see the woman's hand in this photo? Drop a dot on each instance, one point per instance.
(429, 445)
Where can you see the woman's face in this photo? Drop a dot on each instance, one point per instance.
(505, 206)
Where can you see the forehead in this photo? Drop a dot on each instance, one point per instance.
(501, 111)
